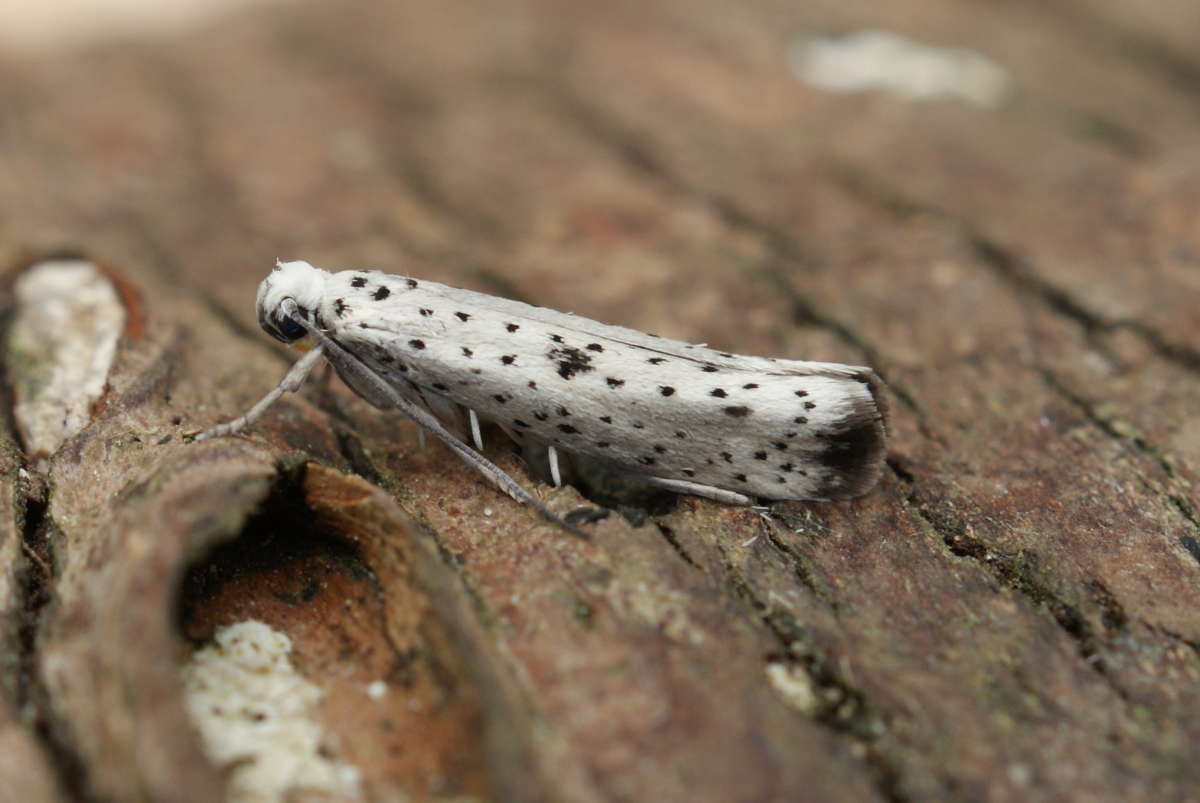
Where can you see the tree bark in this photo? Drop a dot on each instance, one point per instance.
(1012, 614)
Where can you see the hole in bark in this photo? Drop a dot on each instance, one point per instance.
(321, 563)
(34, 579)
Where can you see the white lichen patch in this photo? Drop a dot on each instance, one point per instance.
(794, 685)
(880, 60)
(62, 342)
(257, 717)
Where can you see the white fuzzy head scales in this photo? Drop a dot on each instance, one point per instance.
(298, 281)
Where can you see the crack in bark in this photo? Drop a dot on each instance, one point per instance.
(1020, 572)
(669, 536)
(356, 457)
(1185, 506)
(800, 566)
(35, 591)
(1171, 635)
(843, 708)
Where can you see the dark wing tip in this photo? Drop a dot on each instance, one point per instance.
(855, 448)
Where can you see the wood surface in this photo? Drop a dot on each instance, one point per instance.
(1014, 612)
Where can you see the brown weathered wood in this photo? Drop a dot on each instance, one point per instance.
(1011, 615)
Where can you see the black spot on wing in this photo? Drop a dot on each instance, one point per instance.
(462, 316)
(740, 411)
(381, 293)
(570, 361)
(412, 284)
(358, 281)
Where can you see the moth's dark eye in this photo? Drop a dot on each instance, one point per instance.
(290, 329)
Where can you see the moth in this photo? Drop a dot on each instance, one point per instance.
(682, 416)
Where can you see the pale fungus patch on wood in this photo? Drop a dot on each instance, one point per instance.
(67, 322)
(885, 61)
(257, 717)
(794, 685)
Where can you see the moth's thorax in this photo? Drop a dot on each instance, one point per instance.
(298, 281)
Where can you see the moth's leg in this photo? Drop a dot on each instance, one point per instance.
(349, 364)
(552, 454)
(475, 436)
(289, 384)
(709, 491)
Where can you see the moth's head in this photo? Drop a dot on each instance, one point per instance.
(298, 281)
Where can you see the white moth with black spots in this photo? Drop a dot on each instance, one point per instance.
(684, 417)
